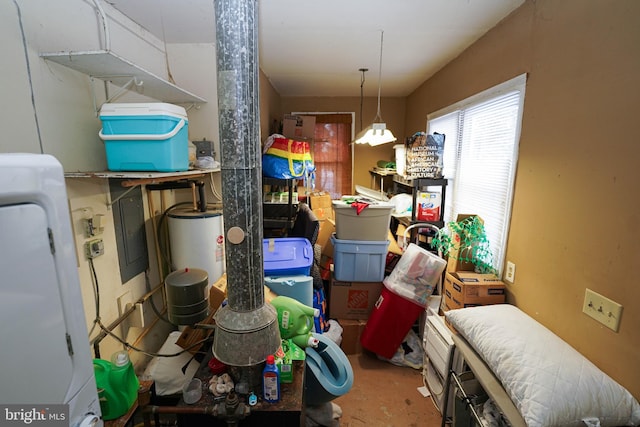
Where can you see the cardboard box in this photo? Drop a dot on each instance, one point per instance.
(298, 127)
(393, 245)
(327, 228)
(453, 263)
(468, 289)
(284, 357)
(352, 300)
(216, 297)
(400, 236)
(351, 332)
(221, 284)
(320, 204)
(190, 336)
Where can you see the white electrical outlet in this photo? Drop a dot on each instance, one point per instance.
(602, 309)
(94, 248)
(510, 272)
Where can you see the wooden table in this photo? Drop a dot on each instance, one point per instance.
(126, 418)
(289, 411)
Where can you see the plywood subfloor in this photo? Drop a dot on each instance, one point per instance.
(385, 395)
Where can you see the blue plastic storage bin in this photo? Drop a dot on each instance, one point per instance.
(359, 260)
(299, 287)
(145, 137)
(287, 256)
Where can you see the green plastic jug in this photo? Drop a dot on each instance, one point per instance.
(295, 321)
(117, 385)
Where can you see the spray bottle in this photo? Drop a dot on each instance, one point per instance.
(296, 321)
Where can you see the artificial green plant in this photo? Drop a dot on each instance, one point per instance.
(469, 236)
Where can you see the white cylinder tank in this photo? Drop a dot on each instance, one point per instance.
(196, 240)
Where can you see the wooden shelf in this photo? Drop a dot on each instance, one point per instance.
(139, 175)
(108, 66)
(139, 178)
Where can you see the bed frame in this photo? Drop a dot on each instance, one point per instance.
(487, 380)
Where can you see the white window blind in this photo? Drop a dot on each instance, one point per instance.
(480, 158)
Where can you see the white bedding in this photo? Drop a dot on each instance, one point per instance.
(550, 383)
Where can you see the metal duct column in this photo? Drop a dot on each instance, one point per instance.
(246, 328)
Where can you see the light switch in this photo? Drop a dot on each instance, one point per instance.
(602, 309)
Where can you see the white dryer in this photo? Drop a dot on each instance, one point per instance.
(45, 352)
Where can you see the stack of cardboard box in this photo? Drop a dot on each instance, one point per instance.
(465, 288)
(350, 304)
(320, 204)
(298, 127)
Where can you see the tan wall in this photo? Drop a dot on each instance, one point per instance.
(575, 214)
(270, 109)
(365, 156)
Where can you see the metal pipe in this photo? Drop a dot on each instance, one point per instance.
(202, 197)
(154, 226)
(231, 410)
(241, 168)
(199, 203)
(247, 328)
(204, 410)
(193, 196)
(95, 341)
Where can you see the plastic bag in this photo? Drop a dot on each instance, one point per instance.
(287, 158)
(425, 155)
(410, 352)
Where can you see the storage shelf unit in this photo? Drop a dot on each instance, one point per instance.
(382, 173)
(108, 66)
(280, 215)
(414, 185)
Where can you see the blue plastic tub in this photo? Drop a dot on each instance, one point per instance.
(359, 260)
(287, 256)
(145, 137)
(299, 287)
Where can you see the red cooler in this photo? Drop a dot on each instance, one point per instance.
(389, 322)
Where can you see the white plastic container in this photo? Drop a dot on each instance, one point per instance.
(372, 223)
(192, 391)
(401, 159)
(416, 274)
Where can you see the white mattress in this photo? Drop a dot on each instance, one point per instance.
(550, 383)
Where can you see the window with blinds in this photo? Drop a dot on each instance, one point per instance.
(480, 158)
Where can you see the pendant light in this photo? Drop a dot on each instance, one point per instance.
(376, 133)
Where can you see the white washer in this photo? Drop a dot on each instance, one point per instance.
(46, 357)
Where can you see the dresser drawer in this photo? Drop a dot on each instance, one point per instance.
(438, 344)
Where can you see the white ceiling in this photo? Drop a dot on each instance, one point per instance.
(315, 48)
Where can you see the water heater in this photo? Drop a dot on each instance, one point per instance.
(196, 240)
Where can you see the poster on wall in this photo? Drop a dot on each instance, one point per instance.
(424, 155)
